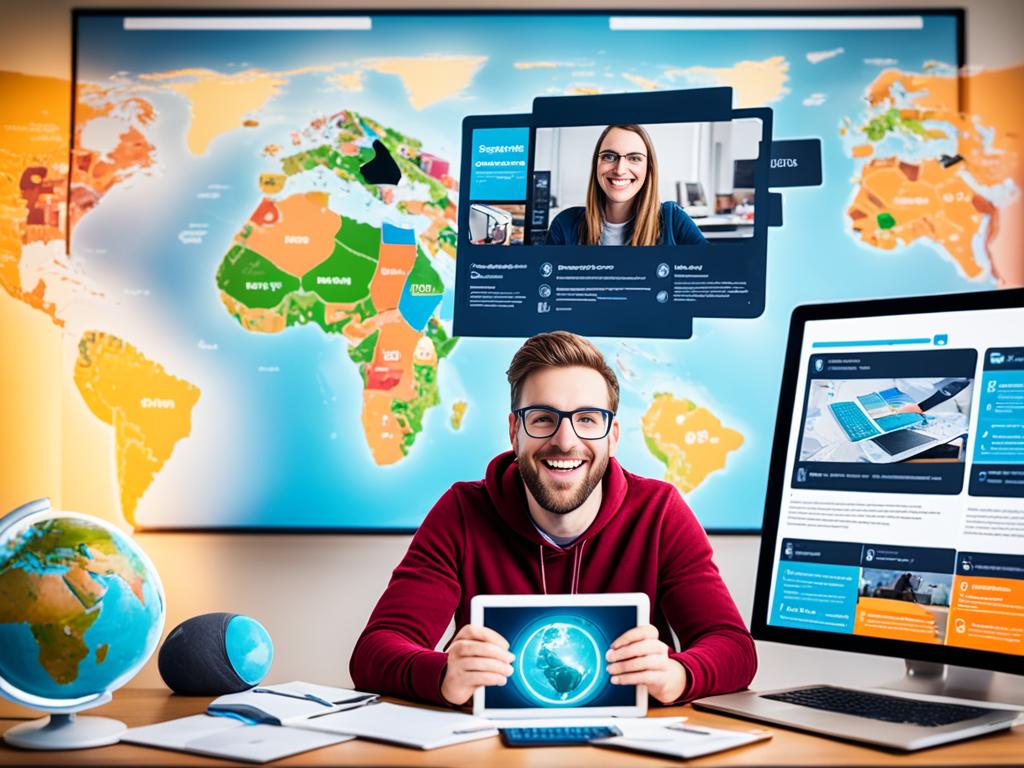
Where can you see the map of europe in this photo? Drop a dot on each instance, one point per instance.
(253, 263)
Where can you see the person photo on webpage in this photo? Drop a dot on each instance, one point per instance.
(622, 206)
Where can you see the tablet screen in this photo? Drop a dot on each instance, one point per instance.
(560, 655)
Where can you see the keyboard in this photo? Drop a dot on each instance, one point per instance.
(891, 709)
(556, 736)
(855, 424)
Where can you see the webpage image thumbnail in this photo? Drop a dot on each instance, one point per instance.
(887, 421)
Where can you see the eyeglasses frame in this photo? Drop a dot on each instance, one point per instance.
(609, 417)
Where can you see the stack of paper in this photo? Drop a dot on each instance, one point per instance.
(408, 726)
(230, 738)
(680, 740)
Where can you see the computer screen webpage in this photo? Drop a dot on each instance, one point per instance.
(902, 515)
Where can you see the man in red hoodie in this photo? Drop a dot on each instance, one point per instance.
(556, 514)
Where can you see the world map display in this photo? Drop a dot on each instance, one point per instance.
(263, 319)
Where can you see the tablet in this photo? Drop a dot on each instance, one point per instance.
(560, 642)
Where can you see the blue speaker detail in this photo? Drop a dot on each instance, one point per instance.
(249, 648)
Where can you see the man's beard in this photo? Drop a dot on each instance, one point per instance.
(548, 499)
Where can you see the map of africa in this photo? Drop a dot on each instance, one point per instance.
(261, 318)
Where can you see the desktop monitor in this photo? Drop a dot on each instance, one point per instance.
(895, 503)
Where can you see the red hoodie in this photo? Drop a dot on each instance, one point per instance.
(479, 539)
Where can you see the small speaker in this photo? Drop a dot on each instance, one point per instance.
(214, 654)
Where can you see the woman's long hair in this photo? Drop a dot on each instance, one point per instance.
(646, 207)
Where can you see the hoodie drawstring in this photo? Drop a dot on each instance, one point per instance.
(543, 579)
(577, 568)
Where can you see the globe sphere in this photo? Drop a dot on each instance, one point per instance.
(81, 608)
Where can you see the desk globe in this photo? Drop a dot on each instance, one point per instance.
(81, 610)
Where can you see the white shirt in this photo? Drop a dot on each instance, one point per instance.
(614, 234)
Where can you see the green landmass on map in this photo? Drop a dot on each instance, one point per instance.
(892, 121)
(335, 293)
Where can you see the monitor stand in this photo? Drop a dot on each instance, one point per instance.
(978, 685)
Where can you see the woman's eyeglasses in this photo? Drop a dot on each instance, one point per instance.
(612, 158)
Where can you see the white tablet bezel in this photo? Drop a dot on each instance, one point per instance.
(638, 600)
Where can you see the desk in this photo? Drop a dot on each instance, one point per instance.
(136, 706)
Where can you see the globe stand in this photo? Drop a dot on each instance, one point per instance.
(65, 732)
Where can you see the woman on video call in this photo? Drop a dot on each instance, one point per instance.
(622, 199)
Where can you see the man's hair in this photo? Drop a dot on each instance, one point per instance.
(559, 349)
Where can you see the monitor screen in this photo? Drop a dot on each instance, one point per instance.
(896, 522)
(258, 305)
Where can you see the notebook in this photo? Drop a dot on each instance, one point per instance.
(230, 738)
(288, 703)
(409, 726)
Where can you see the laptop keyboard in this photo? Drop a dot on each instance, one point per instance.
(891, 709)
(853, 421)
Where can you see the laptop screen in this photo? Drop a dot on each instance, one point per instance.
(902, 512)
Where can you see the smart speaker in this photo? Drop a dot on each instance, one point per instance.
(214, 654)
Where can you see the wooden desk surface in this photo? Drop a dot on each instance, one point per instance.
(145, 706)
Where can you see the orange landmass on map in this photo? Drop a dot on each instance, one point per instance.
(991, 145)
(393, 267)
(272, 183)
(34, 132)
(390, 369)
(254, 319)
(688, 439)
(149, 409)
(992, 96)
(384, 432)
(302, 236)
(925, 201)
(93, 174)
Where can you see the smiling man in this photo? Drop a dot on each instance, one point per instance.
(556, 514)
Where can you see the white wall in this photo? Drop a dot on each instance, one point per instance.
(314, 593)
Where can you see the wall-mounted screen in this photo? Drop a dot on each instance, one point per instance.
(263, 215)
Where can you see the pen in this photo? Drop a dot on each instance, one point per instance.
(473, 729)
(689, 729)
(306, 696)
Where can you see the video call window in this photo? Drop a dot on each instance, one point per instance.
(651, 184)
(684, 173)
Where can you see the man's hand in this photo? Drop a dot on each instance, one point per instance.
(477, 656)
(638, 657)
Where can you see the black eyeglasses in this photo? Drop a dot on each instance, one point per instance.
(588, 423)
(612, 158)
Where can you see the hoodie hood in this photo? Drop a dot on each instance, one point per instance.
(504, 485)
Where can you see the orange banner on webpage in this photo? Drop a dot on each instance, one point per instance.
(987, 614)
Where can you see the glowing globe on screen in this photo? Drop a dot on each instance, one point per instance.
(561, 661)
(81, 610)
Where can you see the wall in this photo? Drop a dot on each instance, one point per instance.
(314, 593)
